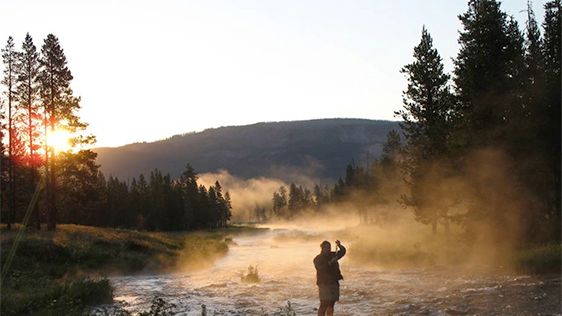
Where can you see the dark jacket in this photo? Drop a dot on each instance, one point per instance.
(327, 267)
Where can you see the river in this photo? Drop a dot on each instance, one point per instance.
(287, 274)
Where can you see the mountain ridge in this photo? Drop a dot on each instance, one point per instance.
(318, 148)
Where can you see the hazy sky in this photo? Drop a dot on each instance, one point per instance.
(147, 70)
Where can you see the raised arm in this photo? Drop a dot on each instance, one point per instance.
(341, 252)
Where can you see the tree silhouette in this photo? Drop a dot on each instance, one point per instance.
(28, 93)
(59, 106)
(427, 124)
(10, 59)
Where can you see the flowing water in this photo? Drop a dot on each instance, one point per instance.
(287, 274)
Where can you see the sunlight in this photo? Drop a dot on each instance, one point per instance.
(59, 139)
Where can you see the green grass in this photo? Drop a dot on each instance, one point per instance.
(539, 259)
(62, 272)
(24, 295)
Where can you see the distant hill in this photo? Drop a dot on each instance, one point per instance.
(287, 150)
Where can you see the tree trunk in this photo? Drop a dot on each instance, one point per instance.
(51, 202)
(34, 220)
(1, 161)
(11, 191)
(47, 184)
(51, 210)
(434, 226)
(34, 175)
(447, 227)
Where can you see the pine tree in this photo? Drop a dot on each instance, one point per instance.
(213, 210)
(427, 101)
(534, 83)
(117, 192)
(228, 203)
(59, 107)
(203, 210)
(338, 191)
(28, 92)
(279, 201)
(78, 174)
(295, 202)
(534, 60)
(2, 153)
(488, 74)
(493, 77)
(100, 216)
(320, 196)
(10, 59)
(134, 204)
(144, 202)
(173, 204)
(427, 125)
(189, 189)
(534, 171)
(157, 201)
(224, 205)
(391, 150)
(551, 107)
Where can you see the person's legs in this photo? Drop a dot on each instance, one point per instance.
(330, 309)
(323, 306)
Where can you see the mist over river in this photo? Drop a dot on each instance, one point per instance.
(284, 260)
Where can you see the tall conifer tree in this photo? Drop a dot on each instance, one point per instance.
(9, 57)
(28, 93)
(488, 73)
(427, 119)
(60, 106)
(551, 107)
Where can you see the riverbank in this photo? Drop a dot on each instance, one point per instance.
(63, 272)
(394, 248)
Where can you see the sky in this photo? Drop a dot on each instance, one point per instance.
(147, 70)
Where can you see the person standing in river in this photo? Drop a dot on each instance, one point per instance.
(328, 275)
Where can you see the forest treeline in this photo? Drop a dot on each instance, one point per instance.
(43, 184)
(156, 202)
(367, 186)
(481, 146)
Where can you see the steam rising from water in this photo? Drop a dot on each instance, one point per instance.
(284, 256)
(480, 202)
(246, 194)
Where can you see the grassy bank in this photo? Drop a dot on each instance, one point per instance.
(417, 247)
(61, 272)
(539, 258)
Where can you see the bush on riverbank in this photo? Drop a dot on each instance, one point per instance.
(51, 272)
(24, 295)
(539, 259)
(252, 276)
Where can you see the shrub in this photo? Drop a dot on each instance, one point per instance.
(543, 258)
(252, 276)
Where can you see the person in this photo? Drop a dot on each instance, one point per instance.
(328, 275)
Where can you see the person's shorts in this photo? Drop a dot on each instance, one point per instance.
(329, 292)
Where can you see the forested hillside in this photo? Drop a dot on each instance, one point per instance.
(317, 148)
